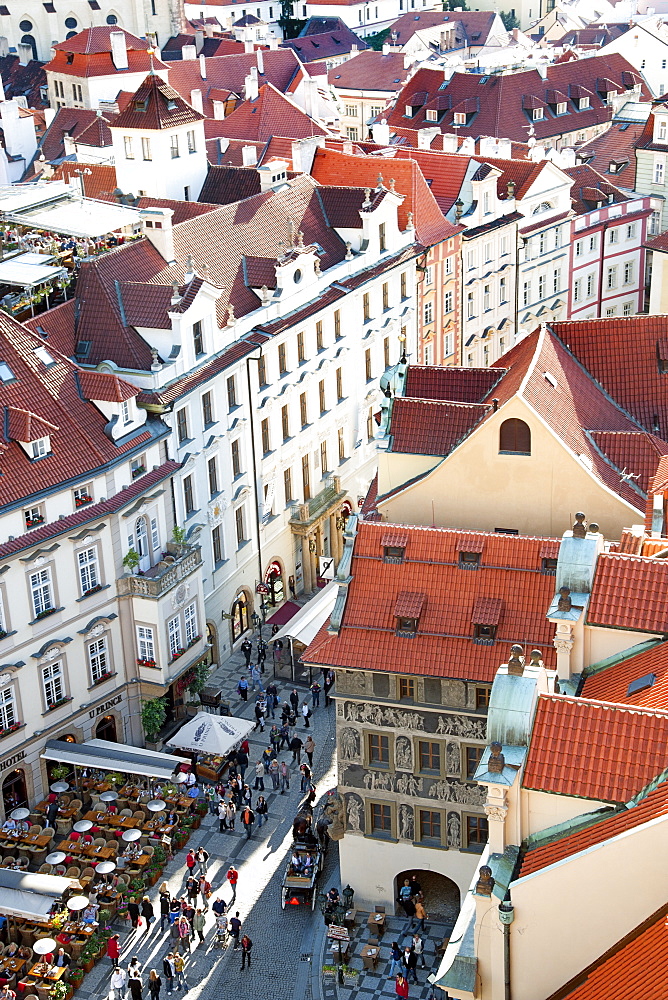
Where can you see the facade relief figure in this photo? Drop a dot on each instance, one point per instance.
(376, 781)
(462, 725)
(406, 823)
(403, 754)
(352, 681)
(408, 784)
(453, 759)
(454, 824)
(334, 815)
(355, 813)
(349, 744)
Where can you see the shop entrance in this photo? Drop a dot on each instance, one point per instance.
(240, 616)
(274, 580)
(441, 894)
(106, 729)
(14, 790)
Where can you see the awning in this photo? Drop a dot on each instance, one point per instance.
(27, 894)
(306, 624)
(28, 269)
(113, 757)
(14, 903)
(214, 734)
(284, 613)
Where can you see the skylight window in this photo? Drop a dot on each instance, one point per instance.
(641, 683)
(44, 356)
(6, 374)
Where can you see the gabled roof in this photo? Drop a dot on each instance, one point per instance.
(628, 592)
(429, 427)
(23, 81)
(98, 39)
(224, 184)
(613, 152)
(510, 572)
(99, 179)
(633, 452)
(370, 70)
(326, 44)
(456, 385)
(443, 172)
(271, 113)
(590, 189)
(105, 386)
(594, 750)
(611, 682)
(74, 122)
(472, 23)
(156, 105)
(600, 829)
(173, 47)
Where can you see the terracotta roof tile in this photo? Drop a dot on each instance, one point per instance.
(183, 210)
(454, 385)
(487, 611)
(69, 121)
(611, 683)
(443, 646)
(270, 113)
(650, 807)
(368, 508)
(613, 152)
(325, 44)
(371, 70)
(629, 592)
(471, 22)
(98, 39)
(630, 543)
(106, 386)
(156, 105)
(431, 427)
(409, 604)
(101, 63)
(594, 750)
(22, 425)
(224, 184)
(632, 452)
(99, 179)
(23, 81)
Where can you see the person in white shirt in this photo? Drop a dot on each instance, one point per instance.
(118, 983)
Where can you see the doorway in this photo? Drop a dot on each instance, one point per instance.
(14, 790)
(106, 729)
(441, 894)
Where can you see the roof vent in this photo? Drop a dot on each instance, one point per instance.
(516, 661)
(497, 761)
(641, 684)
(549, 377)
(579, 528)
(485, 883)
(565, 603)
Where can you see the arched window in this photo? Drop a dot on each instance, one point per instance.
(106, 729)
(112, 19)
(544, 206)
(30, 40)
(515, 437)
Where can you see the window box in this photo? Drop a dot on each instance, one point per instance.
(94, 590)
(177, 654)
(104, 677)
(46, 613)
(33, 522)
(146, 663)
(3, 634)
(138, 471)
(11, 729)
(57, 704)
(194, 641)
(82, 500)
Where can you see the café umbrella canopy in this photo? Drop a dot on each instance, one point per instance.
(130, 835)
(77, 903)
(212, 734)
(59, 786)
(156, 805)
(44, 945)
(20, 813)
(55, 858)
(109, 796)
(82, 826)
(106, 867)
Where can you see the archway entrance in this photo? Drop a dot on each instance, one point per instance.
(240, 618)
(106, 729)
(274, 580)
(212, 641)
(441, 894)
(14, 790)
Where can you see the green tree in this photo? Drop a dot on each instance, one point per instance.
(153, 715)
(377, 41)
(455, 5)
(509, 20)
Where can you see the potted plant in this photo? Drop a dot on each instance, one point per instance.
(60, 772)
(76, 976)
(87, 958)
(131, 560)
(153, 715)
(350, 976)
(329, 973)
(178, 538)
(61, 991)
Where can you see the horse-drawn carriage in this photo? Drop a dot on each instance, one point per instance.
(306, 861)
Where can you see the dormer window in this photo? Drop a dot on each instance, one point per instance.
(407, 626)
(394, 547)
(469, 560)
(537, 114)
(6, 374)
(561, 108)
(548, 566)
(431, 115)
(459, 118)
(484, 635)
(126, 415)
(408, 112)
(171, 105)
(141, 104)
(485, 619)
(41, 447)
(661, 131)
(583, 103)
(407, 611)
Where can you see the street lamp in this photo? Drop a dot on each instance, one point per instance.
(348, 895)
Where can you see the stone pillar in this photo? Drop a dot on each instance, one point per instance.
(563, 643)
(306, 564)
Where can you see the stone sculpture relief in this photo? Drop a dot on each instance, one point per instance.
(355, 813)
(403, 754)
(397, 718)
(461, 725)
(349, 744)
(457, 791)
(351, 681)
(406, 822)
(453, 759)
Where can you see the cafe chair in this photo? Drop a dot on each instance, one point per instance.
(76, 804)
(45, 869)
(63, 826)
(48, 831)
(73, 872)
(59, 870)
(8, 860)
(88, 873)
(113, 844)
(100, 842)
(44, 992)
(35, 828)
(126, 812)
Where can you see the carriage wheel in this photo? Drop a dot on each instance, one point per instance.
(284, 896)
(313, 899)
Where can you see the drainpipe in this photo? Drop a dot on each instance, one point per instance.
(506, 916)
(254, 461)
(604, 229)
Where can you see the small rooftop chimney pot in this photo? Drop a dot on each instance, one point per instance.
(579, 528)
(516, 661)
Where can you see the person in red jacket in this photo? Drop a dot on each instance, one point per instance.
(114, 948)
(401, 989)
(233, 877)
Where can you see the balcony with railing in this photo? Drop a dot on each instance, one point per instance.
(162, 577)
(304, 514)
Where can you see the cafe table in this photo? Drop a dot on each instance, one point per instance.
(376, 921)
(370, 955)
(51, 973)
(112, 820)
(63, 812)
(12, 965)
(75, 848)
(35, 840)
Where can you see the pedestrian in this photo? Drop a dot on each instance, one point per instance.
(164, 910)
(395, 958)
(235, 929)
(246, 796)
(420, 914)
(284, 734)
(267, 757)
(204, 891)
(418, 949)
(133, 910)
(309, 747)
(315, 694)
(198, 924)
(114, 949)
(277, 652)
(401, 988)
(135, 984)
(202, 860)
(409, 962)
(285, 777)
(296, 747)
(247, 650)
(231, 814)
(191, 861)
(329, 684)
(259, 715)
(119, 981)
(274, 774)
(294, 700)
(147, 913)
(134, 965)
(180, 972)
(259, 776)
(246, 946)
(192, 888)
(242, 761)
(222, 815)
(306, 778)
(154, 984)
(306, 715)
(219, 906)
(242, 688)
(168, 971)
(261, 810)
(248, 818)
(272, 698)
(174, 932)
(233, 877)
(185, 930)
(285, 712)
(261, 653)
(214, 798)
(256, 678)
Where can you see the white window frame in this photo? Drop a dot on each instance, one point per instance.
(190, 624)
(98, 659)
(41, 591)
(8, 708)
(611, 277)
(145, 642)
(155, 534)
(659, 171)
(428, 313)
(53, 682)
(41, 447)
(127, 147)
(174, 637)
(88, 567)
(629, 272)
(448, 302)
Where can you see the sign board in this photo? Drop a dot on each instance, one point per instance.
(338, 933)
(326, 567)
(262, 588)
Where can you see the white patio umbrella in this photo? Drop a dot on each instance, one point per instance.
(215, 734)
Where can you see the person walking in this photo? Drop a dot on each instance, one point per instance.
(233, 877)
(259, 776)
(306, 715)
(274, 774)
(329, 684)
(184, 930)
(246, 946)
(191, 861)
(154, 984)
(284, 734)
(222, 815)
(204, 891)
(114, 949)
(202, 860)
(285, 777)
(246, 796)
(305, 779)
(294, 700)
(147, 913)
(401, 987)
(296, 747)
(214, 798)
(261, 653)
(180, 972)
(198, 924)
(231, 814)
(315, 694)
(261, 810)
(164, 910)
(256, 678)
(135, 984)
(259, 715)
(242, 761)
(235, 929)
(192, 888)
(174, 932)
(168, 971)
(134, 965)
(420, 914)
(418, 949)
(219, 906)
(119, 981)
(133, 910)
(247, 650)
(242, 688)
(409, 963)
(395, 958)
(309, 747)
(248, 818)
(272, 698)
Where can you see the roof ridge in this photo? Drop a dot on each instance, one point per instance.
(614, 705)
(442, 402)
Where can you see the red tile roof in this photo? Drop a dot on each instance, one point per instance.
(224, 185)
(590, 189)
(432, 427)
(101, 64)
(156, 105)
(613, 152)
(58, 325)
(629, 592)
(71, 121)
(98, 39)
(99, 180)
(269, 114)
(371, 71)
(636, 968)
(650, 807)
(611, 683)
(444, 646)
(183, 210)
(456, 385)
(594, 750)
(472, 23)
(325, 44)
(443, 172)
(621, 354)
(23, 81)
(106, 386)
(632, 452)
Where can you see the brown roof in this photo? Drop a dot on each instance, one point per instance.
(613, 152)
(98, 39)
(99, 179)
(629, 593)
(326, 44)
(590, 189)
(475, 25)
(270, 113)
(370, 70)
(431, 427)
(72, 121)
(612, 682)
(457, 385)
(156, 105)
(106, 386)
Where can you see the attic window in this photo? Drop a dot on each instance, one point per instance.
(537, 114)
(469, 560)
(393, 553)
(459, 118)
(41, 447)
(641, 684)
(82, 349)
(407, 627)
(141, 104)
(548, 566)
(484, 635)
(549, 377)
(6, 374)
(583, 103)
(431, 115)
(409, 111)
(171, 105)
(44, 356)
(407, 611)
(561, 108)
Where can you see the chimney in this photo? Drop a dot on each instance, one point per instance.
(250, 85)
(248, 156)
(25, 53)
(69, 145)
(202, 66)
(497, 761)
(223, 144)
(260, 61)
(353, 50)
(273, 43)
(387, 48)
(516, 661)
(196, 101)
(199, 40)
(218, 110)
(4, 46)
(449, 142)
(119, 49)
(381, 132)
(426, 136)
(188, 53)
(158, 229)
(347, 147)
(579, 528)
(209, 30)
(249, 45)
(303, 153)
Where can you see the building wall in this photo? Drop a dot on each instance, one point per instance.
(227, 14)
(162, 174)
(438, 306)
(87, 92)
(646, 161)
(658, 296)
